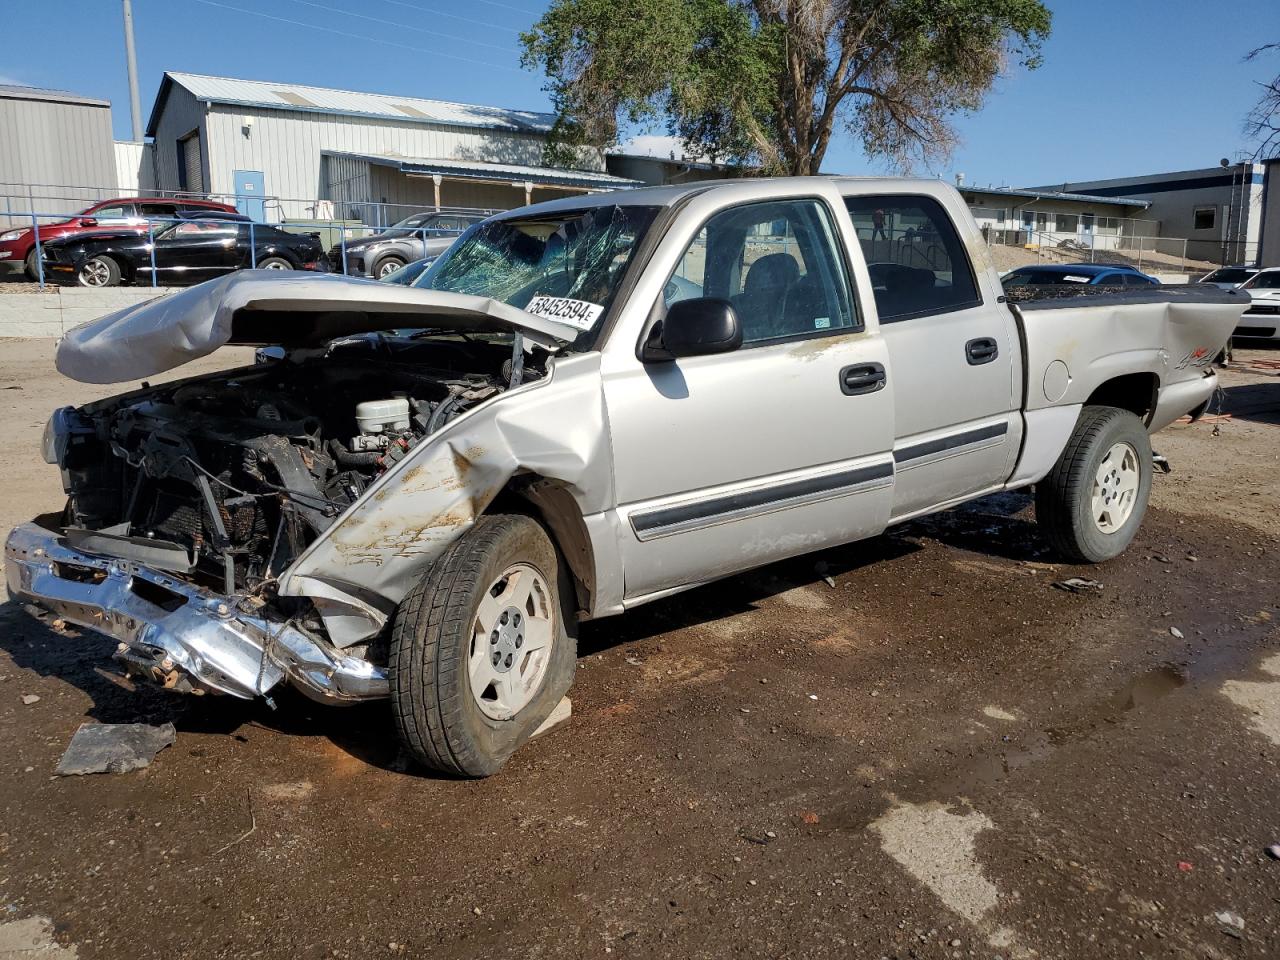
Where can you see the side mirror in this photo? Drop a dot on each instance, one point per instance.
(692, 328)
(88, 222)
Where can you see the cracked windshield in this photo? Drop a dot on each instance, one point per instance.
(565, 267)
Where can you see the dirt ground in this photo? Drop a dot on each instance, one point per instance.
(942, 756)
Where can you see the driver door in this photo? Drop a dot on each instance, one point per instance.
(728, 461)
(196, 250)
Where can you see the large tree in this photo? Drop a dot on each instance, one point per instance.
(768, 83)
(1263, 122)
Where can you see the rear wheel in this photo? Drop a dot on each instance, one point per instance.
(1093, 500)
(99, 271)
(387, 266)
(483, 648)
(274, 263)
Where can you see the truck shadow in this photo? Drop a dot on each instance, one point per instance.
(1259, 402)
(82, 659)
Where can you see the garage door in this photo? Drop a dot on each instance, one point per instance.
(191, 177)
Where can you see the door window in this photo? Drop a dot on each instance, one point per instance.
(192, 229)
(917, 263)
(113, 213)
(778, 264)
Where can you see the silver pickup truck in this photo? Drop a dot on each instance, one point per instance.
(583, 406)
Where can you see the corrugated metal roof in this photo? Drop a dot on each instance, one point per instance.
(293, 96)
(1056, 195)
(14, 92)
(504, 172)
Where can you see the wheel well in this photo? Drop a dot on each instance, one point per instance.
(1135, 392)
(552, 505)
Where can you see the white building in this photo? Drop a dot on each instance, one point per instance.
(1217, 210)
(285, 151)
(1049, 218)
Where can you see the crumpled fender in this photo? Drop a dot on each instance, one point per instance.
(555, 428)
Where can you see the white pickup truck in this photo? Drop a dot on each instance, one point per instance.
(583, 406)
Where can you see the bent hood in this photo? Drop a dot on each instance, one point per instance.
(289, 310)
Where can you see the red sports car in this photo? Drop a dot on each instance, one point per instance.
(19, 244)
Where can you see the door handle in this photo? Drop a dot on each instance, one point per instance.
(982, 350)
(862, 378)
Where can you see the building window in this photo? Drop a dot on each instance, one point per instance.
(1068, 223)
(1205, 218)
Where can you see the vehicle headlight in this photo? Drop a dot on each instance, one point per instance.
(11, 235)
(63, 426)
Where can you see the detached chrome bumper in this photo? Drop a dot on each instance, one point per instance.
(181, 635)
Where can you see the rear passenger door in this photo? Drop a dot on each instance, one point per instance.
(954, 352)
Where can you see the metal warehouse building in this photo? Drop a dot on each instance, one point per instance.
(52, 142)
(286, 151)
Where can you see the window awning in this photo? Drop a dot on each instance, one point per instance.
(496, 172)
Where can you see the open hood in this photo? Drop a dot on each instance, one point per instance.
(276, 309)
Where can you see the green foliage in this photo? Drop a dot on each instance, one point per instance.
(766, 83)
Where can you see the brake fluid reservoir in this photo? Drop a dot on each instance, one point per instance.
(383, 416)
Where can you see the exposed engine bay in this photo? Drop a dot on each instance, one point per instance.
(225, 479)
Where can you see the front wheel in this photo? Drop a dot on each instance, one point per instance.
(483, 648)
(387, 266)
(1092, 502)
(99, 272)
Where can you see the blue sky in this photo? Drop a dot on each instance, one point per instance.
(1128, 86)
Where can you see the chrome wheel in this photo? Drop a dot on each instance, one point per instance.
(1115, 487)
(275, 265)
(511, 642)
(95, 273)
(388, 267)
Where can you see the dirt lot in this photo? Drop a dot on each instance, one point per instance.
(941, 756)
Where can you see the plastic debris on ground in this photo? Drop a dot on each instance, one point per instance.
(1077, 585)
(114, 747)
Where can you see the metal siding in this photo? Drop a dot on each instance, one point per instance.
(182, 113)
(286, 146)
(49, 147)
(135, 173)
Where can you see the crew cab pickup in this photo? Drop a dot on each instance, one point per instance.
(582, 406)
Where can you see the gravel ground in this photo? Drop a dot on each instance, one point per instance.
(941, 756)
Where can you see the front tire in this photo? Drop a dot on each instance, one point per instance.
(31, 266)
(99, 271)
(483, 648)
(1092, 502)
(387, 266)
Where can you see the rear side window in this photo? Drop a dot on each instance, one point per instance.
(917, 263)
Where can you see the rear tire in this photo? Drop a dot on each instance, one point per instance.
(99, 271)
(274, 263)
(467, 684)
(1092, 502)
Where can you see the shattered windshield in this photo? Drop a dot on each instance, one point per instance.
(564, 266)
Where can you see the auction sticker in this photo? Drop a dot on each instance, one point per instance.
(579, 313)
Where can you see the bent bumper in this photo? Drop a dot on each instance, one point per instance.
(182, 635)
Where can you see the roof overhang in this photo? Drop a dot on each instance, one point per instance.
(1057, 195)
(502, 173)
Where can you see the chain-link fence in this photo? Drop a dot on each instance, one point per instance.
(1037, 237)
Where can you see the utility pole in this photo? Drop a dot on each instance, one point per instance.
(135, 105)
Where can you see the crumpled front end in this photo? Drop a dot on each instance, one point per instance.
(176, 633)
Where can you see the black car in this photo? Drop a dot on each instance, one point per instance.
(186, 252)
